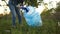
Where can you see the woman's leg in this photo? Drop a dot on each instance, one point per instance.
(12, 8)
(18, 14)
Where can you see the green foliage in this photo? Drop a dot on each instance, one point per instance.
(40, 0)
(32, 2)
(57, 14)
(3, 0)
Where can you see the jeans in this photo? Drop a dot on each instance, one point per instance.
(14, 11)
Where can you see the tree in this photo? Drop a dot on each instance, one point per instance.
(32, 3)
(57, 14)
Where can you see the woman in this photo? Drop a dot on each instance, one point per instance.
(14, 10)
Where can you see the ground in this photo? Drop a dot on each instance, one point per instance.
(49, 26)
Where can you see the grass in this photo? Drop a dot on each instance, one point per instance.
(49, 26)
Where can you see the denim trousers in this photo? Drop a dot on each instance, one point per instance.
(14, 11)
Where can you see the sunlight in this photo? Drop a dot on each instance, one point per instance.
(40, 8)
(3, 8)
(50, 4)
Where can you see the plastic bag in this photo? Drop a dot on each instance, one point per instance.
(32, 17)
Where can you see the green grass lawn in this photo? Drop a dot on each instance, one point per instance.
(49, 26)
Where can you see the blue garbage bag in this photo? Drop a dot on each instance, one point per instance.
(32, 17)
